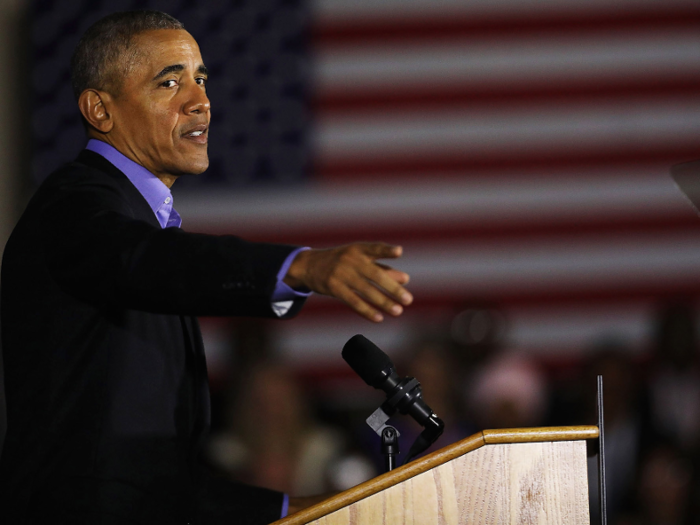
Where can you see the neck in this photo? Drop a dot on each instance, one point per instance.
(165, 178)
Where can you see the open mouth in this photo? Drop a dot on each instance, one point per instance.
(198, 134)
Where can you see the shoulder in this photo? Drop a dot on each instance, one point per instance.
(89, 181)
(88, 170)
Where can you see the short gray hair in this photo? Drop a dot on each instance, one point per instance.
(98, 60)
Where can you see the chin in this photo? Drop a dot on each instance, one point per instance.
(200, 169)
(195, 167)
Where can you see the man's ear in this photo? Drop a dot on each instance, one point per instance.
(94, 105)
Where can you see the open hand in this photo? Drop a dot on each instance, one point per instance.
(352, 274)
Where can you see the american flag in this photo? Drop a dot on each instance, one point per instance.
(517, 149)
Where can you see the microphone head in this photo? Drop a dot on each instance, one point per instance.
(367, 360)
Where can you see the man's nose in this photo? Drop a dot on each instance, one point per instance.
(197, 102)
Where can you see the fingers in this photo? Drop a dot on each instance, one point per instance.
(372, 293)
(388, 279)
(379, 299)
(385, 279)
(354, 301)
(366, 297)
(379, 286)
(399, 277)
(396, 275)
(381, 250)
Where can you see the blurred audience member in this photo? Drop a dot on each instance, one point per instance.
(271, 438)
(508, 391)
(674, 380)
(664, 489)
(501, 388)
(477, 334)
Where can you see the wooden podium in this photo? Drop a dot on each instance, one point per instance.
(532, 476)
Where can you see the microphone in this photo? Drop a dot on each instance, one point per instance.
(368, 361)
(405, 395)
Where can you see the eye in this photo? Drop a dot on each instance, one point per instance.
(169, 83)
(202, 81)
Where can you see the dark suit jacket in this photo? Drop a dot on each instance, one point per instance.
(106, 382)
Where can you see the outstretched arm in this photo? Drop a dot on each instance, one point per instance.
(352, 274)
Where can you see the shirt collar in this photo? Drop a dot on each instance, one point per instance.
(152, 189)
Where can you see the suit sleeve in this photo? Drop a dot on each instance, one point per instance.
(97, 249)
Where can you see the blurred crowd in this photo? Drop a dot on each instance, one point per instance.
(275, 430)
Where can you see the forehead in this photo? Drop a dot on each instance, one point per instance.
(155, 50)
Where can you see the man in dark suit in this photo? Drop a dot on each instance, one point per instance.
(105, 374)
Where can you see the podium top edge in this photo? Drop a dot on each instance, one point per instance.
(532, 435)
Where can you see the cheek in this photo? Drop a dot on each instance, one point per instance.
(159, 121)
(167, 123)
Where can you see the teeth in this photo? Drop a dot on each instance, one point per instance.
(196, 133)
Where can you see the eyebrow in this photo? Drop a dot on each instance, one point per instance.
(176, 68)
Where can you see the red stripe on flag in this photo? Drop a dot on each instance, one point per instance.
(435, 27)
